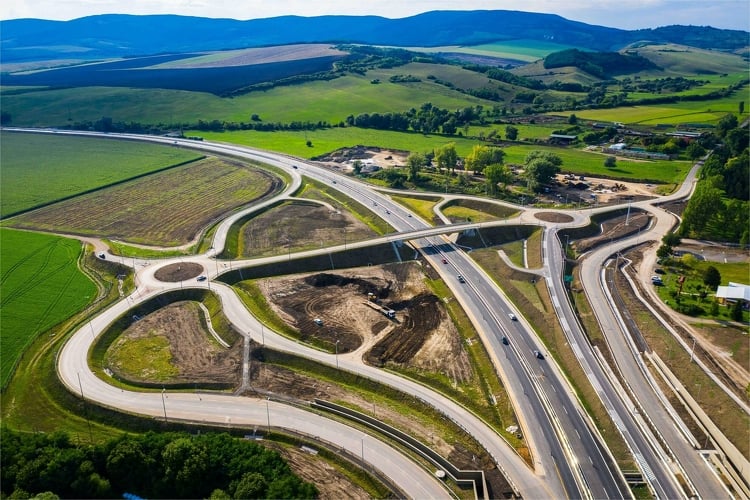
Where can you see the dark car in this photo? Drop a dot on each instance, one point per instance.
(538, 354)
(201, 278)
(505, 340)
(461, 279)
(660, 271)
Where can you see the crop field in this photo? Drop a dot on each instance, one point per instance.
(330, 101)
(40, 286)
(684, 61)
(167, 208)
(707, 112)
(42, 168)
(256, 55)
(522, 50)
(144, 72)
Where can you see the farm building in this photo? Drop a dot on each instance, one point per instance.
(688, 136)
(733, 293)
(562, 138)
(621, 149)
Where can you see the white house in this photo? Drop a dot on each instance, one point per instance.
(732, 293)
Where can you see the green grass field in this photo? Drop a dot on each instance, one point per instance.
(330, 101)
(325, 141)
(707, 112)
(522, 50)
(41, 285)
(40, 168)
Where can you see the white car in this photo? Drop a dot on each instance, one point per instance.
(512, 316)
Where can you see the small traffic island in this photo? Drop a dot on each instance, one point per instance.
(179, 271)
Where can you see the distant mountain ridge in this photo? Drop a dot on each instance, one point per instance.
(120, 35)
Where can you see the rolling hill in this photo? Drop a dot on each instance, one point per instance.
(114, 35)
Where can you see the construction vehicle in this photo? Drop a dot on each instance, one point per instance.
(388, 313)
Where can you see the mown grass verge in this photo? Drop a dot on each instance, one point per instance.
(381, 396)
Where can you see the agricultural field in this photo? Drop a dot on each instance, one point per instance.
(680, 60)
(149, 72)
(41, 285)
(166, 209)
(674, 114)
(255, 55)
(39, 169)
(330, 101)
(519, 50)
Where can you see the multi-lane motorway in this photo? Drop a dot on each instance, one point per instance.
(570, 459)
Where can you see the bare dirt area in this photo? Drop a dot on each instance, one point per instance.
(266, 378)
(344, 158)
(331, 483)
(300, 225)
(181, 271)
(198, 358)
(421, 335)
(553, 217)
(612, 229)
(594, 190)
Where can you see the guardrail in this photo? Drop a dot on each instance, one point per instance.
(473, 478)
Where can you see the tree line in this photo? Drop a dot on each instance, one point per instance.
(152, 465)
(719, 207)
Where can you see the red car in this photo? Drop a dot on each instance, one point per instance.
(445, 261)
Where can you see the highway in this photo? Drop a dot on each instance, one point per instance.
(570, 459)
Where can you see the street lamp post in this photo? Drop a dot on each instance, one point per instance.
(80, 385)
(268, 415)
(164, 403)
(337, 354)
(692, 351)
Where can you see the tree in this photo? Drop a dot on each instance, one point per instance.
(482, 156)
(741, 107)
(736, 313)
(308, 143)
(711, 277)
(357, 167)
(610, 162)
(572, 119)
(695, 151)
(541, 168)
(511, 133)
(414, 162)
(495, 174)
(726, 123)
(251, 485)
(703, 205)
(664, 252)
(671, 239)
(446, 157)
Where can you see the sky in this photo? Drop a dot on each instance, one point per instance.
(627, 14)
